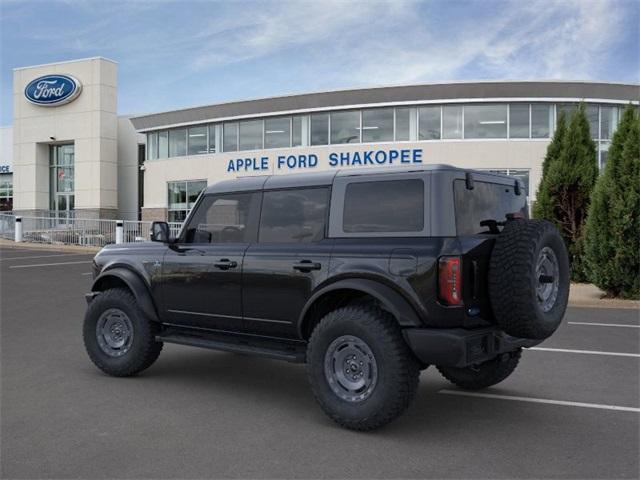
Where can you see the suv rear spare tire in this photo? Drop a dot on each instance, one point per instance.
(529, 279)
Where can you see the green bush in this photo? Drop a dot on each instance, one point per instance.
(543, 207)
(566, 187)
(612, 236)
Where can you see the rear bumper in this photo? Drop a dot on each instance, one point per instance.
(459, 347)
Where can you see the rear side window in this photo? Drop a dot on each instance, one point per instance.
(293, 216)
(384, 206)
(487, 201)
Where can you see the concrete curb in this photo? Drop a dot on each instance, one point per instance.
(588, 295)
(45, 246)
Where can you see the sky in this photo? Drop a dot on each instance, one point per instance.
(176, 54)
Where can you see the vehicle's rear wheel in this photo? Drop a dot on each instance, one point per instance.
(529, 279)
(119, 339)
(362, 373)
(485, 374)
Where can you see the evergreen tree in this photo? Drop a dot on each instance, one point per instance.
(543, 207)
(612, 235)
(568, 184)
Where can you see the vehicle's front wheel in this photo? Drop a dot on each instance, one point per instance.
(119, 339)
(362, 373)
(484, 375)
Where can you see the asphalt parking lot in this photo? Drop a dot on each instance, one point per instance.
(571, 409)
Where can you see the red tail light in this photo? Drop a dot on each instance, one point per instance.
(450, 280)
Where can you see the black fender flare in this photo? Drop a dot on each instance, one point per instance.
(391, 300)
(137, 286)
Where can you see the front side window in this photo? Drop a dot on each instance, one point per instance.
(227, 218)
(320, 129)
(197, 140)
(345, 127)
(181, 198)
(230, 137)
(294, 216)
(452, 121)
(485, 121)
(429, 123)
(251, 135)
(277, 132)
(178, 142)
(384, 206)
(377, 125)
(519, 120)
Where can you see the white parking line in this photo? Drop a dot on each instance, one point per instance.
(588, 352)
(44, 256)
(48, 264)
(604, 324)
(540, 400)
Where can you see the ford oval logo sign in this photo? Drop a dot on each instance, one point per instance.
(53, 90)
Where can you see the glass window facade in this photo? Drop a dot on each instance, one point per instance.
(197, 140)
(251, 135)
(163, 144)
(277, 132)
(345, 127)
(296, 131)
(541, 120)
(403, 124)
(178, 142)
(429, 123)
(382, 124)
(230, 137)
(377, 125)
(519, 120)
(61, 180)
(452, 121)
(6, 192)
(485, 121)
(320, 129)
(182, 196)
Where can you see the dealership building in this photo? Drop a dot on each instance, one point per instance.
(69, 151)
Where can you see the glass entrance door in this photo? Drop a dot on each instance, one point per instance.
(61, 162)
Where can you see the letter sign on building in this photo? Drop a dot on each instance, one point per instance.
(53, 90)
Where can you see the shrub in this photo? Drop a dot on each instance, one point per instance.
(543, 207)
(612, 234)
(566, 187)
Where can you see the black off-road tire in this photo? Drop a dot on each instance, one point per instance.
(143, 350)
(398, 370)
(513, 280)
(484, 375)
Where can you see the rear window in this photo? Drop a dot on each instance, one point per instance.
(487, 201)
(384, 206)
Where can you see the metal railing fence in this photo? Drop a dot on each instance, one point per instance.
(7, 226)
(78, 231)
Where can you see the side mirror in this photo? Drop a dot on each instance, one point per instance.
(160, 232)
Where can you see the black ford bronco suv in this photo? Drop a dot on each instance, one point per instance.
(365, 276)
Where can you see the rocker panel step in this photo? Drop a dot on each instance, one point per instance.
(280, 350)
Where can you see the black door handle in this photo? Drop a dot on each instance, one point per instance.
(225, 264)
(306, 266)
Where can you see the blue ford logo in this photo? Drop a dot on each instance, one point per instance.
(53, 90)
